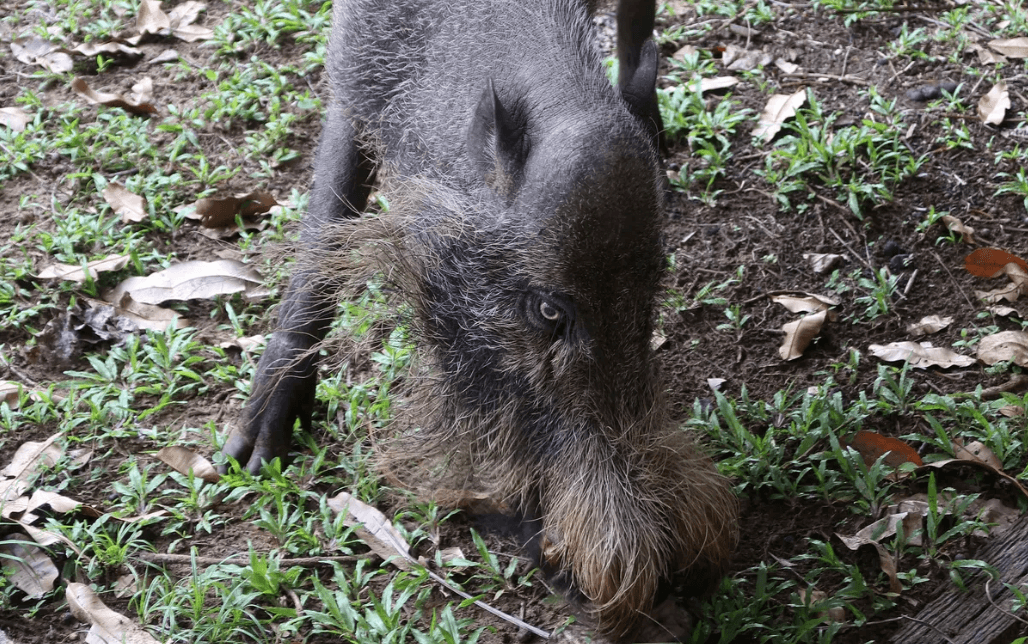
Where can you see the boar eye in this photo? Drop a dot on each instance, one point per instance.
(548, 311)
(551, 313)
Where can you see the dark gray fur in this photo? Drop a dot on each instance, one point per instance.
(525, 235)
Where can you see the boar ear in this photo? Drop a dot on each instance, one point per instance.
(638, 87)
(497, 142)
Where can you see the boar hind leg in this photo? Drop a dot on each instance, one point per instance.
(284, 385)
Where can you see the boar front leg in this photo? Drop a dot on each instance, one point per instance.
(283, 387)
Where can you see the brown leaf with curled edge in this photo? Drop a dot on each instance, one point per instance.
(990, 262)
(10, 393)
(1011, 411)
(217, 212)
(804, 302)
(139, 103)
(151, 19)
(91, 49)
(920, 355)
(129, 205)
(32, 456)
(379, 534)
(184, 460)
(779, 108)
(954, 225)
(976, 451)
(145, 316)
(26, 565)
(872, 446)
(14, 118)
(800, 333)
(1005, 346)
(979, 456)
(985, 56)
(192, 280)
(78, 274)
(992, 108)
(1011, 47)
(719, 82)
(106, 625)
(34, 50)
(885, 559)
(929, 324)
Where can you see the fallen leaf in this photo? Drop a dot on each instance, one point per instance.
(150, 19)
(779, 108)
(247, 343)
(885, 559)
(786, 66)
(145, 316)
(920, 355)
(130, 206)
(166, 56)
(1011, 47)
(92, 49)
(184, 460)
(985, 56)
(14, 118)
(181, 18)
(31, 457)
(139, 103)
(739, 59)
(1005, 346)
(976, 451)
(836, 614)
(954, 225)
(929, 324)
(380, 535)
(193, 280)
(1004, 311)
(78, 274)
(26, 565)
(106, 625)
(992, 108)
(990, 262)
(872, 446)
(1011, 411)
(719, 82)
(800, 333)
(34, 50)
(823, 263)
(805, 303)
(217, 212)
(10, 393)
(715, 384)
(680, 54)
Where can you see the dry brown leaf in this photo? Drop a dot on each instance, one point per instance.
(32, 456)
(823, 263)
(193, 280)
(166, 56)
(872, 446)
(34, 50)
(192, 33)
(92, 49)
(385, 540)
(805, 303)
(145, 316)
(786, 66)
(720, 82)
(739, 59)
(885, 560)
(150, 19)
(136, 104)
(929, 324)
(1004, 311)
(992, 108)
(985, 56)
(920, 355)
(217, 212)
(715, 384)
(14, 118)
(107, 626)
(78, 274)
(991, 262)
(976, 451)
(10, 393)
(26, 565)
(182, 18)
(130, 206)
(1011, 411)
(835, 614)
(687, 50)
(1005, 346)
(954, 225)
(1011, 47)
(800, 333)
(779, 108)
(184, 460)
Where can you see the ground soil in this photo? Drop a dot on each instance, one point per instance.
(745, 227)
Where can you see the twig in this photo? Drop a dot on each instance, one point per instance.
(970, 304)
(924, 623)
(988, 595)
(162, 558)
(1016, 382)
(856, 80)
(903, 9)
(850, 249)
(910, 282)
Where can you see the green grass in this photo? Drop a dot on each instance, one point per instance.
(238, 131)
